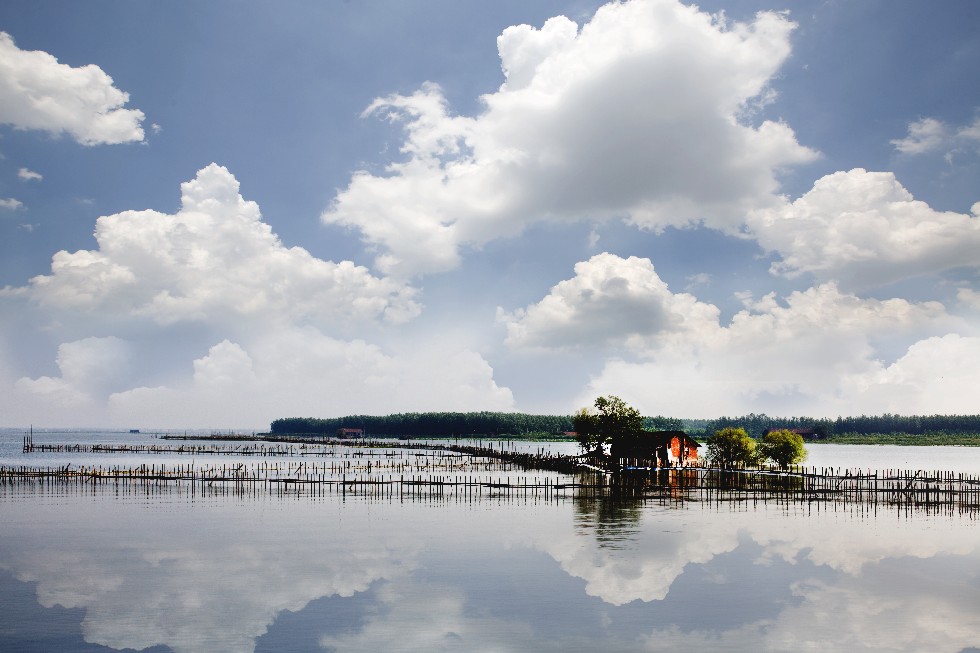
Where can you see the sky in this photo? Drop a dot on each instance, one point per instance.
(213, 215)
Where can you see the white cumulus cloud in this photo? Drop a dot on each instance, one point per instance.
(213, 261)
(641, 114)
(609, 300)
(10, 204)
(230, 328)
(38, 92)
(937, 375)
(820, 351)
(864, 228)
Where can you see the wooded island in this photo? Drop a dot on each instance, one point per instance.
(872, 429)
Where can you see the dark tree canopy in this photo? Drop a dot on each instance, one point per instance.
(611, 418)
(446, 424)
(521, 425)
(756, 425)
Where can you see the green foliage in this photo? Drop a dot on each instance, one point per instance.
(731, 447)
(757, 424)
(585, 424)
(612, 418)
(909, 440)
(910, 424)
(881, 429)
(783, 447)
(479, 424)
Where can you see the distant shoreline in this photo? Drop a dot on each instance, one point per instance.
(892, 439)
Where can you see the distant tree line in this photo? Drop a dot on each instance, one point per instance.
(488, 423)
(431, 424)
(756, 425)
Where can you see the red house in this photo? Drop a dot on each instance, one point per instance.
(665, 448)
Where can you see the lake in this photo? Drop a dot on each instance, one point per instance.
(89, 567)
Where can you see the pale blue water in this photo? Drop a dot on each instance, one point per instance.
(101, 569)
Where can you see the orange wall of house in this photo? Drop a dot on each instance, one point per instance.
(675, 450)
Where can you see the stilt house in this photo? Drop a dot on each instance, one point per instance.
(662, 448)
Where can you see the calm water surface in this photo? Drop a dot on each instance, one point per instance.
(100, 569)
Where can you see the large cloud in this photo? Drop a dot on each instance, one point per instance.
(818, 351)
(609, 300)
(212, 261)
(216, 323)
(37, 92)
(640, 114)
(864, 228)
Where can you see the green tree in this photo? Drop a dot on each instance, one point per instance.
(612, 417)
(731, 446)
(586, 426)
(783, 447)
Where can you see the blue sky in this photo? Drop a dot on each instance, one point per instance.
(216, 214)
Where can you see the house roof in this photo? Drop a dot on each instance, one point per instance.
(653, 439)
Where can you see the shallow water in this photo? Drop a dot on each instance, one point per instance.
(97, 568)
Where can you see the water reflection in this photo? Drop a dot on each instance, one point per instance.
(95, 572)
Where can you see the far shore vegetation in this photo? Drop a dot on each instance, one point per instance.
(904, 430)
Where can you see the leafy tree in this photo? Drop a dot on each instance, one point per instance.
(731, 446)
(612, 417)
(585, 423)
(783, 447)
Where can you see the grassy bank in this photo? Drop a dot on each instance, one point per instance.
(906, 439)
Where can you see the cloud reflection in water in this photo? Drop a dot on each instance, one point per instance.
(227, 574)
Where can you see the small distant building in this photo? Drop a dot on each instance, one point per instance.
(666, 448)
(134, 430)
(350, 433)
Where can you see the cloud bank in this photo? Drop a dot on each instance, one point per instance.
(821, 351)
(272, 327)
